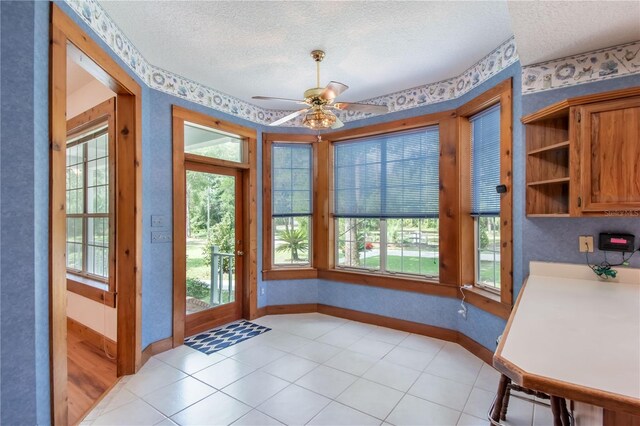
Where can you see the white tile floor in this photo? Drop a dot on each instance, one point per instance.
(318, 370)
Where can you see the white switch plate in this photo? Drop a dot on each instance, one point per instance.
(586, 243)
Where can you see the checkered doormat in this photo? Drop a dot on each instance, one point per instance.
(219, 338)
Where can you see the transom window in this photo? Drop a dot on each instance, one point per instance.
(386, 191)
(207, 142)
(87, 186)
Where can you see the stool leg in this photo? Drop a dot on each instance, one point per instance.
(556, 409)
(564, 413)
(502, 389)
(505, 403)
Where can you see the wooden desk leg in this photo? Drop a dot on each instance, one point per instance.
(502, 389)
(559, 410)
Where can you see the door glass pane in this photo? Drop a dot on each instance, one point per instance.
(211, 237)
(207, 142)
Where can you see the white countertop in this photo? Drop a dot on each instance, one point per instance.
(571, 327)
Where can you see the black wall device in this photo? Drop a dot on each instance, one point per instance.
(616, 242)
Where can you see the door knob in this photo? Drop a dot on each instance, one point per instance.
(240, 253)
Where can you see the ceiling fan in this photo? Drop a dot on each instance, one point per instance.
(320, 103)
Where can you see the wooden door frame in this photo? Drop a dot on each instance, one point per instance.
(248, 172)
(68, 38)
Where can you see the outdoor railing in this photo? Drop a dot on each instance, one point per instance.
(223, 267)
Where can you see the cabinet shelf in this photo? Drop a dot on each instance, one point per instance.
(549, 181)
(556, 146)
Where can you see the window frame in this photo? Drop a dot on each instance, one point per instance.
(271, 271)
(79, 282)
(497, 302)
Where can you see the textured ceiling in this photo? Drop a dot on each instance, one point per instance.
(262, 48)
(556, 29)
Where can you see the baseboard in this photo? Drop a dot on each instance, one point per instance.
(397, 324)
(291, 309)
(92, 337)
(155, 348)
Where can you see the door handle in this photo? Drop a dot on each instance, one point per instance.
(240, 253)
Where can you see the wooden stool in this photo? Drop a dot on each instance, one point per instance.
(561, 416)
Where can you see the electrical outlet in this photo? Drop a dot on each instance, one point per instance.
(586, 243)
(261, 291)
(160, 237)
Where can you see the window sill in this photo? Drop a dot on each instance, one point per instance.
(105, 297)
(487, 301)
(396, 282)
(289, 274)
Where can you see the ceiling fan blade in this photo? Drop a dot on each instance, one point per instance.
(370, 108)
(288, 117)
(333, 90)
(337, 124)
(270, 98)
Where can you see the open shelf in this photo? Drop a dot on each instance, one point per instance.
(560, 145)
(549, 181)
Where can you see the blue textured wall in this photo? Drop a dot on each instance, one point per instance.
(556, 239)
(24, 328)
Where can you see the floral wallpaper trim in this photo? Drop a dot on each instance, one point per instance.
(92, 13)
(603, 64)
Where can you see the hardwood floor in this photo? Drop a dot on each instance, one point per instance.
(90, 374)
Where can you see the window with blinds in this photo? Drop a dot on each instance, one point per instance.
(292, 189)
(485, 165)
(386, 203)
(388, 176)
(485, 201)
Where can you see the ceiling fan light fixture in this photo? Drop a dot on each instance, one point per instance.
(319, 119)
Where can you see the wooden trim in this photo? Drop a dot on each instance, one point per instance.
(107, 298)
(67, 38)
(486, 99)
(194, 158)
(269, 270)
(449, 203)
(179, 232)
(291, 309)
(501, 93)
(390, 281)
(397, 324)
(250, 222)
(57, 226)
(155, 348)
(209, 121)
(391, 126)
(562, 108)
(93, 337)
(323, 227)
(487, 301)
(289, 274)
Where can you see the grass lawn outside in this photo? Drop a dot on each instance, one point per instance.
(427, 266)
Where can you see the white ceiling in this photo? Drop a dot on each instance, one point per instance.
(555, 29)
(246, 48)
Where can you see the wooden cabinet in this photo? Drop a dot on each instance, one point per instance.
(609, 141)
(583, 156)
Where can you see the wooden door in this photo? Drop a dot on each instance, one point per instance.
(610, 157)
(214, 244)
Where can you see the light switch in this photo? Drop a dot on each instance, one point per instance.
(586, 243)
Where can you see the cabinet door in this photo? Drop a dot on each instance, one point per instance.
(610, 156)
